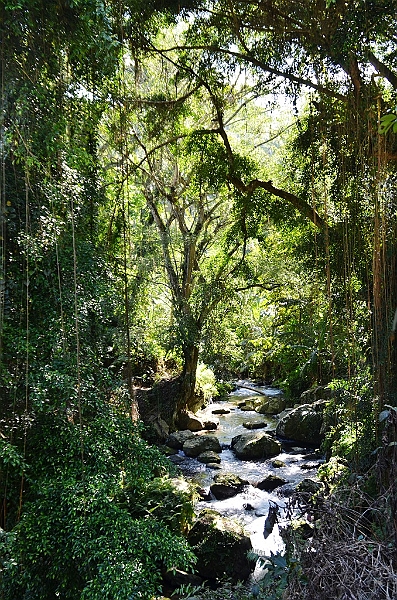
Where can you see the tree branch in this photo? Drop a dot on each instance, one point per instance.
(305, 209)
(264, 66)
(383, 69)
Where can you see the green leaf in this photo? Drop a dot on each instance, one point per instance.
(387, 122)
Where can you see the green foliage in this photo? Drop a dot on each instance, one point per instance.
(78, 537)
(349, 417)
(169, 500)
(387, 122)
(74, 540)
(10, 457)
(206, 382)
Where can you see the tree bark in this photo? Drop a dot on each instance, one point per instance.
(186, 398)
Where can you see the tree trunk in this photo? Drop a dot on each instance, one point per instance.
(186, 400)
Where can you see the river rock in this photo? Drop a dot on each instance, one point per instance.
(168, 451)
(255, 444)
(255, 425)
(201, 443)
(221, 411)
(278, 464)
(303, 424)
(273, 405)
(308, 486)
(270, 483)
(320, 392)
(221, 547)
(209, 457)
(178, 438)
(211, 424)
(227, 485)
(188, 420)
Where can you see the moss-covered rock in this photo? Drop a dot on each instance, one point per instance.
(201, 443)
(273, 405)
(221, 547)
(209, 457)
(255, 424)
(255, 445)
(309, 486)
(303, 424)
(227, 485)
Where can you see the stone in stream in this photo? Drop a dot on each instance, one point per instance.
(221, 546)
(188, 420)
(201, 443)
(178, 438)
(221, 411)
(270, 483)
(211, 424)
(255, 425)
(308, 486)
(177, 459)
(272, 406)
(213, 466)
(303, 424)
(278, 464)
(209, 456)
(227, 485)
(255, 445)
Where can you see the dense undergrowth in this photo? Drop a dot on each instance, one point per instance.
(100, 518)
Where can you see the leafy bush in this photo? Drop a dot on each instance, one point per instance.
(206, 382)
(78, 538)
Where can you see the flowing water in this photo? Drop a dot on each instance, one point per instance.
(251, 507)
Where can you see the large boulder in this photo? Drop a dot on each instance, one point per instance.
(273, 405)
(221, 547)
(227, 485)
(309, 486)
(320, 392)
(188, 420)
(209, 457)
(201, 443)
(178, 438)
(255, 445)
(270, 483)
(303, 424)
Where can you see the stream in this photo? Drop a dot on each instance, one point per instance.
(251, 507)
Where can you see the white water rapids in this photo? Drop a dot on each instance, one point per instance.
(252, 505)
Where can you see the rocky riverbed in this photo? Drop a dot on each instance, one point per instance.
(245, 444)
